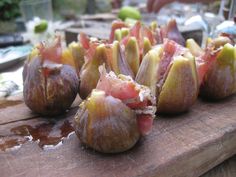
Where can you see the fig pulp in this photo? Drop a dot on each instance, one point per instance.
(50, 86)
(106, 124)
(170, 72)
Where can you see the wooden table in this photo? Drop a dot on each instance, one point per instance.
(189, 144)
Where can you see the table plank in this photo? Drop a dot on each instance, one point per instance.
(185, 145)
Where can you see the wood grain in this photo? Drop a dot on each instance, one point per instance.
(188, 145)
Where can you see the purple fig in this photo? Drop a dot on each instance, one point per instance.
(50, 86)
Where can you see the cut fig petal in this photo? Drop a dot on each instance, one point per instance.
(194, 48)
(116, 59)
(106, 124)
(89, 74)
(118, 35)
(219, 81)
(116, 25)
(132, 54)
(180, 88)
(171, 32)
(67, 58)
(147, 33)
(124, 67)
(146, 46)
(51, 50)
(124, 32)
(78, 53)
(147, 73)
(84, 40)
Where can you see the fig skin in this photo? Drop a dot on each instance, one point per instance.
(50, 94)
(106, 124)
(180, 89)
(132, 54)
(89, 74)
(220, 80)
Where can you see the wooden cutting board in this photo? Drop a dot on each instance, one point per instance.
(184, 145)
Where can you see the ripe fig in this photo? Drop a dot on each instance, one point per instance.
(50, 86)
(170, 72)
(106, 124)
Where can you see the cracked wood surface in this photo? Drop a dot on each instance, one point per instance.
(188, 145)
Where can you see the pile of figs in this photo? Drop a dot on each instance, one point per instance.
(125, 81)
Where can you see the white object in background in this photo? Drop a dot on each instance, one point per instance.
(49, 33)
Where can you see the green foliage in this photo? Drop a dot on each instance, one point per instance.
(9, 9)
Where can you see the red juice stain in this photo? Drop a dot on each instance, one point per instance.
(45, 134)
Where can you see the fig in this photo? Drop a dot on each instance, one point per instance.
(49, 85)
(220, 78)
(89, 74)
(170, 72)
(106, 124)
